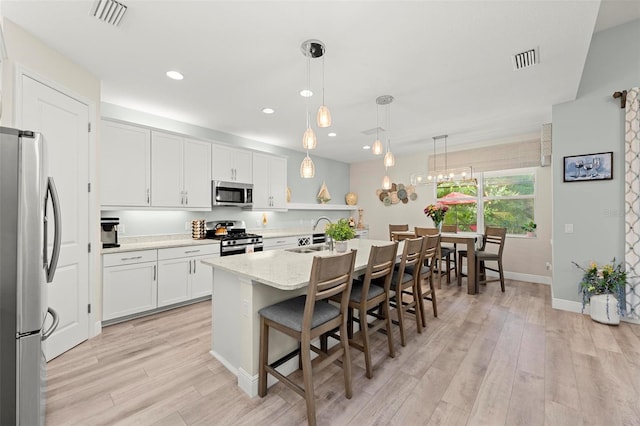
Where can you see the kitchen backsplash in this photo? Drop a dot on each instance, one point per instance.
(151, 222)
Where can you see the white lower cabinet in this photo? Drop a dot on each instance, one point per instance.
(286, 242)
(142, 281)
(181, 276)
(129, 283)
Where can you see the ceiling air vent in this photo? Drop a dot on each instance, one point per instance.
(109, 11)
(373, 131)
(525, 59)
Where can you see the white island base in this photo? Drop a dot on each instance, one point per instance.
(236, 327)
(245, 283)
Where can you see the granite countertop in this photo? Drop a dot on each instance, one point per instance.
(286, 270)
(156, 242)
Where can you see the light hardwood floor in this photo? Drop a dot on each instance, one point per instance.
(489, 359)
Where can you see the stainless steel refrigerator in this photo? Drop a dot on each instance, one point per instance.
(28, 207)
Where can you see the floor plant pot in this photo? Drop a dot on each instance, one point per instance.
(341, 246)
(604, 308)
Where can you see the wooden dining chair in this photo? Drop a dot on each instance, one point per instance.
(491, 251)
(426, 275)
(404, 284)
(445, 255)
(370, 297)
(394, 228)
(307, 317)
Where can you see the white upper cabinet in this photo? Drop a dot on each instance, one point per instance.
(180, 172)
(125, 165)
(231, 164)
(197, 173)
(270, 182)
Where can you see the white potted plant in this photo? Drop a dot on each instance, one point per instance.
(340, 232)
(602, 287)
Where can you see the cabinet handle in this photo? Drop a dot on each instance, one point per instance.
(148, 195)
(192, 251)
(131, 258)
(186, 198)
(194, 266)
(189, 267)
(154, 272)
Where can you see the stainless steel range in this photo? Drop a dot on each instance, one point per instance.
(233, 237)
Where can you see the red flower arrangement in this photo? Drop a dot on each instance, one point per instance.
(436, 212)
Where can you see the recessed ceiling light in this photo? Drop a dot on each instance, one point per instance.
(332, 135)
(268, 110)
(306, 93)
(366, 147)
(175, 75)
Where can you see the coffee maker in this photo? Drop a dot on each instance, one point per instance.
(109, 232)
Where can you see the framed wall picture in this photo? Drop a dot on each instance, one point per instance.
(588, 167)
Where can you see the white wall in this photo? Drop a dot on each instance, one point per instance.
(594, 122)
(524, 258)
(32, 54)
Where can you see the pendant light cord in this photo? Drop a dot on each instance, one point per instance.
(308, 87)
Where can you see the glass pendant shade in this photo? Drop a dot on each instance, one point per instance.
(386, 182)
(309, 139)
(377, 147)
(324, 116)
(307, 168)
(389, 159)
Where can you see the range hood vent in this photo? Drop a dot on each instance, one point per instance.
(109, 11)
(525, 59)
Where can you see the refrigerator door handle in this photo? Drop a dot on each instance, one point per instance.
(57, 231)
(53, 326)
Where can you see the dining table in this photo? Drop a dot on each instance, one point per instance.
(468, 239)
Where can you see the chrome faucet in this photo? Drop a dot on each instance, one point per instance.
(318, 221)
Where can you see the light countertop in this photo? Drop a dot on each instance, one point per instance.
(284, 269)
(156, 242)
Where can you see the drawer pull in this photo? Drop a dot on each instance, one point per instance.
(192, 251)
(131, 258)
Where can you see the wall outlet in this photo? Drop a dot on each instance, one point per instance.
(245, 308)
(121, 228)
(187, 226)
(548, 266)
(568, 228)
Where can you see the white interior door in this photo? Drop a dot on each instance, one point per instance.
(64, 123)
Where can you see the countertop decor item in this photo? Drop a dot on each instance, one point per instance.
(360, 224)
(603, 287)
(351, 199)
(323, 194)
(288, 194)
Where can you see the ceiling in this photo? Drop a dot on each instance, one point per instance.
(447, 64)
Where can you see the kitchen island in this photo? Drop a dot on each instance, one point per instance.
(243, 284)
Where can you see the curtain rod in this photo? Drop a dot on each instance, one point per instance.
(623, 97)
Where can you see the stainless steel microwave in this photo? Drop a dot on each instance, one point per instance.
(231, 194)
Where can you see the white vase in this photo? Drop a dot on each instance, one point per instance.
(341, 246)
(604, 308)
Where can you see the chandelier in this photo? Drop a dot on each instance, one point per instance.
(457, 176)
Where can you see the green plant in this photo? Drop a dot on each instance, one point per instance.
(340, 231)
(606, 279)
(529, 226)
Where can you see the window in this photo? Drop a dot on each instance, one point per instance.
(508, 199)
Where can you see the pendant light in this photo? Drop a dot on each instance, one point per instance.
(389, 159)
(307, 168)
(376, 148)
(324, 115)
(309, 137)
(386, 182)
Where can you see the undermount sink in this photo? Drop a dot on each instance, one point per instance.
(307, 249)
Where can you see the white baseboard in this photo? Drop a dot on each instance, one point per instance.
(97, 328)
(568, 305)
(224, 362)
(539, 279)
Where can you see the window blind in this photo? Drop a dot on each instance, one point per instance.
(490, 158)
